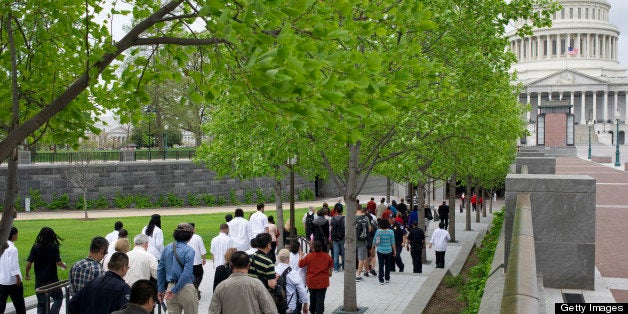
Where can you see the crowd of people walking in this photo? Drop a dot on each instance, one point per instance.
(252, 274)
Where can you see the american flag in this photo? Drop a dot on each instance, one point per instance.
(572, 51)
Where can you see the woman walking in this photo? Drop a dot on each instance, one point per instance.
(319, 268)
(45, 254)
(155, 236)
(385, 246)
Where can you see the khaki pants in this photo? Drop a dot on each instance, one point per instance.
(185, 301)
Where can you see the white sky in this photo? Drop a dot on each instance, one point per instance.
(618, 13)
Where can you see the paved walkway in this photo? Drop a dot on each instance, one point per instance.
(611, 234)
(369, 292)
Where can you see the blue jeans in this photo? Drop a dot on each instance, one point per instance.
(384, 260)
(339, 249)
(57, 299)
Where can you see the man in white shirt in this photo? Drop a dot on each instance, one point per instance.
(11, 276)
(142, 265)
(240, 231)
(310, 215)
(112, 237)
(196, 243)
(220, 244)
(439, 240)
(258, 221)
(295, 287)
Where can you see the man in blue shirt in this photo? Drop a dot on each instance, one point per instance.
(175, 275)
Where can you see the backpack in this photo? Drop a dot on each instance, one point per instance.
(279, 292)
(338, 228)
(361, 229)
(309, 224)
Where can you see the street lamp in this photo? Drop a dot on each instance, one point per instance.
(617, 117)
(149, 110)
(293, 233)
(590, 125)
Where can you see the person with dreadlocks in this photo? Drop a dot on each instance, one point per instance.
(45, 254)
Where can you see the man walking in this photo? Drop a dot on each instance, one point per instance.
(11, 276)
(175, 276)
(196, 243)
(220, 244)
(83, 271)
(142, 298)
(112, 236)
(439, 240)
(443, 214)
(142, 265)
(104, 294)
(381, 208)
(400, 241)
(241, 293)
(262, 267)
(338, 238)
(362, 228)
(258, 221)
(240, 231)
(371, 206)
(415, 242)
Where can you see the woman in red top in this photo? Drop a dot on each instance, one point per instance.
(319, 268)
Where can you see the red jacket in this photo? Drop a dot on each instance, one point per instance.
(474, 199)
(319, 265)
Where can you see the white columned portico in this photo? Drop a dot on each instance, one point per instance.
(529, 104)
(595, 106)
(605, 106)
(582, 109)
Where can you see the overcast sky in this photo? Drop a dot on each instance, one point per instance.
(618, 14)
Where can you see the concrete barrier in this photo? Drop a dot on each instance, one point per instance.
(536, 165)
(563, 216)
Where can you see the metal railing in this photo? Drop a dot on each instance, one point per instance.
(521, 293)
(305, 244)
(49, 288)
(70, 156)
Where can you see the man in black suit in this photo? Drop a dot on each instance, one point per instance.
(443, 214)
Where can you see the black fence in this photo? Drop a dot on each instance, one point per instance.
(123, 155)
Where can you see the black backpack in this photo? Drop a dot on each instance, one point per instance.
(338, 228)
(361, 228)
(309, 224)
(279, 292)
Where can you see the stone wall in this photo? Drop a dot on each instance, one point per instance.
(536, 165)
(153, 179)
(563, 218)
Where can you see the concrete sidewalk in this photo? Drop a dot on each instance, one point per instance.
(411, 291)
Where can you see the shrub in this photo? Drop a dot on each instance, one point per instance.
(123, 201)
(474, 289)
(193, 199)
(208, 199)
(36, 200)
(233, 199)
(161, 201)
(221, 200)
(60, 201)
(261, 197)
(100, 202)
(248, 197)
(306, 195)
(143, 201)
(173, 200)
(18, 203)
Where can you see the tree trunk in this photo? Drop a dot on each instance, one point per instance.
(85, 202)
(350, 303)
(468, 206)
(279, 211)
(388, 190)
(490, 209)
(483, 203)
(478, 207)
(9, 213)
(452, 208)
(421, 214)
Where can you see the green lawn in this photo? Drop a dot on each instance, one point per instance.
(79, 233)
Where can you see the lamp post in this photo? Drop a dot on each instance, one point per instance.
(165, 143)
(589, 124)
(293, 234)
(617, 117)
(149, 110)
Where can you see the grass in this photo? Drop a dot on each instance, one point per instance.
(78, 233)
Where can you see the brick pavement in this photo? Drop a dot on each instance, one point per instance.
(611, 250)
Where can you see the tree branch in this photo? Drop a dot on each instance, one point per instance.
(178, 41)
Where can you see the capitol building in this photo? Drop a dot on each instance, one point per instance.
(572, 68)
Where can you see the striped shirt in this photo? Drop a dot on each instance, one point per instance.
(262, 267)
(386, 240)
